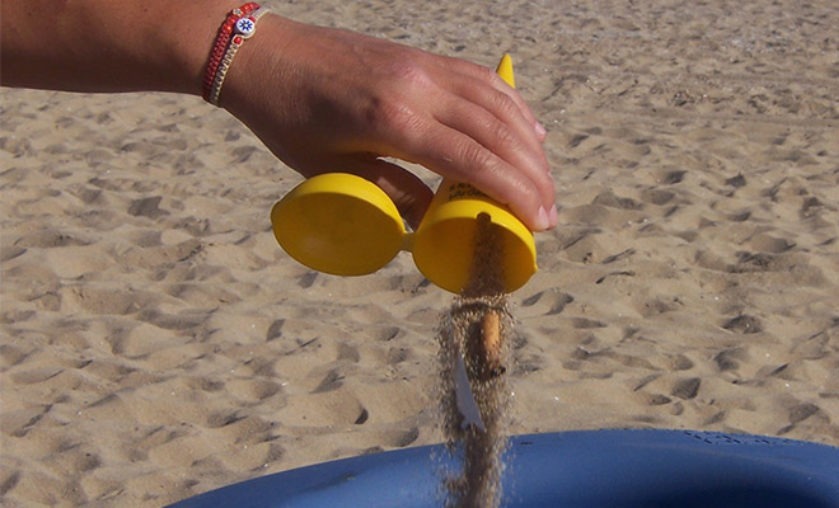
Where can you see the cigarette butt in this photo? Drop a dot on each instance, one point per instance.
(491, 335)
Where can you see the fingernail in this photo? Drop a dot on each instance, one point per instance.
(543, 221)
(540, 129)
(553, 216)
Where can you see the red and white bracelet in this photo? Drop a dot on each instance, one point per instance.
(240, 24)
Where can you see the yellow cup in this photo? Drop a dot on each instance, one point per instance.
(446, 243)
(342, 224)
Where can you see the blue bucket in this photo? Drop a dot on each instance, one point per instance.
(591, 469)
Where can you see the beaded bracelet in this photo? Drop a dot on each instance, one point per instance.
(221, 43)
(238, 25)
(244, 29)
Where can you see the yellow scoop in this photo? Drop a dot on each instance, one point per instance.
(342, 224)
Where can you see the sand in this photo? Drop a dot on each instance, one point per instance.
(474, 338)
(157, 343)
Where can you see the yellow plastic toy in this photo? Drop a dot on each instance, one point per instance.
(342, 224)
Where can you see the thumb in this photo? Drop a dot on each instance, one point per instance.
(408, 192)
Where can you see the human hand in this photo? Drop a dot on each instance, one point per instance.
(330, 100)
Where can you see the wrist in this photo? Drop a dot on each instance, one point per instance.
(187, 50)
(257, 74)
(239, 26)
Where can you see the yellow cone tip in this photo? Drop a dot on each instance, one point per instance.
(505, 70)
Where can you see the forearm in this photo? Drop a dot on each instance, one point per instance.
(321, 99)
(108, 45)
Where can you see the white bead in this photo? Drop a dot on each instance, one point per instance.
(245, 27)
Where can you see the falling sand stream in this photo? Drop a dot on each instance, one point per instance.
(474, 347)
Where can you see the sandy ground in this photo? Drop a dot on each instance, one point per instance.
(157, 343)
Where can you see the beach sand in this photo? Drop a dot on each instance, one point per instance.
(157, 343)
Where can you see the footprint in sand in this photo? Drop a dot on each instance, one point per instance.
(744, 324)
(686, 389)
(547, 303)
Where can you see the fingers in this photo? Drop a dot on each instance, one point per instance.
(532, 122)
(486, 75)
(514, 141)
(467, 129)
(507, 110)
(462, 158)
(482, 132)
